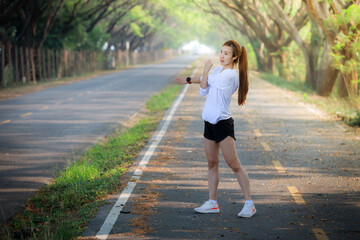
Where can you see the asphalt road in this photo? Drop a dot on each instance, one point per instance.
(303, 166)
(43, 131)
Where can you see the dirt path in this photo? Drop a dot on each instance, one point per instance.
(304, 169)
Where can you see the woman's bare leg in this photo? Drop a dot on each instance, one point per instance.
(212, 150)
(228, 150)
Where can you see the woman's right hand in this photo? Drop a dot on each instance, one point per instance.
(181, 80)
(208, 65)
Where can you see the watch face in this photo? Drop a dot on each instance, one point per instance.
(188, 79)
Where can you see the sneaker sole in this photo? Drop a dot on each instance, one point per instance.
(207, 211)
(247, 215)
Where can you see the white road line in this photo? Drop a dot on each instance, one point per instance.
(110, 220)
(115, 211)
(313, 110)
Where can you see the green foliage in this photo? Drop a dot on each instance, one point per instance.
(74, 35)
(355, 119)
(347, 39)
(187, 22)
(157, 102)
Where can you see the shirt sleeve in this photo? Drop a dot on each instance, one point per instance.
(204, 92)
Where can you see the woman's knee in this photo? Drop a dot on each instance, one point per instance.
(236, 167)
(213, 164)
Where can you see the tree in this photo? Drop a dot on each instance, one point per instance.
(346, 50)
(310, 50)
(270, 33)
(341, 30)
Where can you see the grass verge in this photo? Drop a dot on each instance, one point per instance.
(346, 109)
(62, 209)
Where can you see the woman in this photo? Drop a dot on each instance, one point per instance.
(220, 85)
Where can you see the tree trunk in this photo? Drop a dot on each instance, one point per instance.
(348, 85)
(282, 66)
(256, 46)
(270, 64)
(262, 58)
(326, 74)
(310, 61)
(32, 62)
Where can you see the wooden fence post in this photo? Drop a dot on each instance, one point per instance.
(27, 65)
(22, 76)
(65, 59)
(33, 70)
(60, 65)
(48, 63)
(118, 61)
(2, 63)
(39, 65)
(16, 65)
(56, 66)
(43, 54)
(127, 44)
(10, 80)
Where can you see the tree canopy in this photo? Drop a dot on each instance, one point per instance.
(324, 34)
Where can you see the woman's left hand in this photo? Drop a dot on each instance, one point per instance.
(181, 80)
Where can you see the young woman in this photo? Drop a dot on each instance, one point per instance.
(220, 85)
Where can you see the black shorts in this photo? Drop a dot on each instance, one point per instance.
(219, 131)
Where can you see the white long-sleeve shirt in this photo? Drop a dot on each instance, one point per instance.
(221, 86)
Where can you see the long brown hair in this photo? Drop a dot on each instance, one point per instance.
(241, 59)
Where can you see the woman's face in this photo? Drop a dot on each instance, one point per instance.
(226, 56)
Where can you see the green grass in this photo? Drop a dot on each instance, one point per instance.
(62, 209)
(347, 109)
(296, 86)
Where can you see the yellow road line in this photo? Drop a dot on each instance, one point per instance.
(257, 132)
(320, 234)
(80, 94)
(5, 122)
(44, 107)
(266, 146)
(296, 195)
(70, 98)
(279, 167)
(58, 103)
(26, 114)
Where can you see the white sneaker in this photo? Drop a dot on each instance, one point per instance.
(208, 207)
(248, 210)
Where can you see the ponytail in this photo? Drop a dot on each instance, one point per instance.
(241, 60)
(243, 77)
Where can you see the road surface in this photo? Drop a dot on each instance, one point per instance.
(43, 131)
(304, 170)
